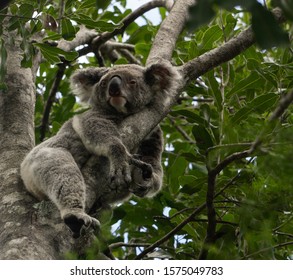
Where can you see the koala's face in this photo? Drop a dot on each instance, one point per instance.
(123, 90)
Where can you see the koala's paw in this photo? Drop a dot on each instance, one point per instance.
(146, 170)
(77, 222)
(142, 181)
(120, 174)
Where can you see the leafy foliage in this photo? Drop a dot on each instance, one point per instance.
(218, 115)
(262, 20)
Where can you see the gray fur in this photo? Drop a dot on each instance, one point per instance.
(86, 167)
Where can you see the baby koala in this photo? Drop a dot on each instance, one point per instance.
(85, 166)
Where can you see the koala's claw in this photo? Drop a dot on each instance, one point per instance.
(120, 174)
(77, 221)
(146, 169)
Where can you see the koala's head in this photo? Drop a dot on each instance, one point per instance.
(124, 89)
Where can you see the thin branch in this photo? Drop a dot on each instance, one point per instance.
(170, 29)
(129, 56)
(284, 223)
(171, 233)
(131, 245)
(105, 36)
(269, 249)
(50, 100)
(181, 131)
(83, 37)
(229, 159)
(232, 145)
(289, 235)
(61, 14)
(211, 212)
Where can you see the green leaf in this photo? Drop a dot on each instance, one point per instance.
(88, 4)
(102, 4)
(191, 184)
(214, 88)
(99, 25)
(258, 105)
(26, 11)
(191, 116)
(201, 13)
(139, 35)
(268, 32)
(52, 36)
(68, 30)
(23, 14)
(286, 6)
(253, 81)
(69, 4)
(203, 137)
(175, 171)
(142, 49)
(187, 179)
(36, 26)
(52, 54)
(211, 35)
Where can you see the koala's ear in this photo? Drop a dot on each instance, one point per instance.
(161, 77)
(83, 80)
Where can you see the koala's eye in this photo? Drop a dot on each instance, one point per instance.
(132, 82)
(103, 83)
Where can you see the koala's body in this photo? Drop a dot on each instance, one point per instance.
(86, 166)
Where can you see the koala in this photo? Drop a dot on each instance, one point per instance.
(85, 166)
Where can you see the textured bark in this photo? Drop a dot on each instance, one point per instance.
(22, 227)
(170, 29)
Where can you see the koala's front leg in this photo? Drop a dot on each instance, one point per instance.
(120, 172)
(101, 138)
(144, 182)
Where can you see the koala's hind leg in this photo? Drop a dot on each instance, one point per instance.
(56, 175)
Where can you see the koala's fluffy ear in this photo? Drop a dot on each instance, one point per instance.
(83, 80)
(161, 77)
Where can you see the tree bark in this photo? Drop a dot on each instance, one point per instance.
(22, 227)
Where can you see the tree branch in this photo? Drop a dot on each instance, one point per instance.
(105, 36)
(22, 233)
(166, 38)
(181, 130)
(83, 37)
(269, 249)
(209, 60)
(171, 233)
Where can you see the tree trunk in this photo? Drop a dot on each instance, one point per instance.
(23, 227)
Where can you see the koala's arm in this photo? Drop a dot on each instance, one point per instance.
(101, 138)
(149, 151)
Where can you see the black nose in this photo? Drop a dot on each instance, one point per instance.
(115, 86)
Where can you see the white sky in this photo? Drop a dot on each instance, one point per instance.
(153, 15)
